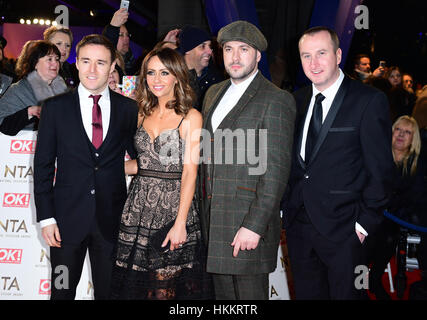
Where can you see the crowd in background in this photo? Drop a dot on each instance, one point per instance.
(42, 71)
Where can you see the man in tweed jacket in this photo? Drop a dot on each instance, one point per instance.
(246, 153)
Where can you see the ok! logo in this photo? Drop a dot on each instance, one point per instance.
(10, 255)
(16, 200)
(23, 146)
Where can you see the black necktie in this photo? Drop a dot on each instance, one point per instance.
(314, 127)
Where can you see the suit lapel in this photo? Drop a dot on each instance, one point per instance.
(336, 104)
(207, 114)
(112, 123)
(233, 115)
(305, 104)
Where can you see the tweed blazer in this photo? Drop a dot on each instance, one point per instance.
(240, 193)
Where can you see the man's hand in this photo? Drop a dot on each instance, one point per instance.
(172, 36)
(245, 239)
(51, 235)
(120, 17)
(361, 236)
(378, 72)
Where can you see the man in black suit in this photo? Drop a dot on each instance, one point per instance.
(87, 132)
(340, 176)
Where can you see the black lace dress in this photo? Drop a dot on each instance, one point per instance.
(140, 270)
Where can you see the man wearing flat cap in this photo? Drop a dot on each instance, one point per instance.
(246, 153)
(195, 46)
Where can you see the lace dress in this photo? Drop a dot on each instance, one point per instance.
(141, 271)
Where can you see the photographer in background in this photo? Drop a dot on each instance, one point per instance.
(118, 34)
(362, 68)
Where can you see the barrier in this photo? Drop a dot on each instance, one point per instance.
(24, 257)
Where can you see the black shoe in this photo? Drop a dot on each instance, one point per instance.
(381, 294)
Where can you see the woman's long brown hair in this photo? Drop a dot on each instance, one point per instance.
(183, 93)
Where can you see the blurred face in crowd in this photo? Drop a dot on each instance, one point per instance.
(320, 61)
(240, 60)
(403, 134)
(198, 57)
(408, 82)
(395, 78)
(160, 80)
(94, 65)
(113, 79)
(48, 67)
(364, 65)
(123, 42)
(63, 42)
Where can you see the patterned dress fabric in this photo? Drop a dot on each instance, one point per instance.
(141, 271)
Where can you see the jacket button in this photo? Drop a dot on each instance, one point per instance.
(97, 155)
(92, 191)
(306, 176)
(96, 168)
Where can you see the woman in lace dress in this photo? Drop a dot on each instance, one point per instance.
(159, 250)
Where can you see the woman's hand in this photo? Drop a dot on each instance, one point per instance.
(34, 111)
(177, 235)
(131, 167)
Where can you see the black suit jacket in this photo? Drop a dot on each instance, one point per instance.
(89, 183)
(349, 175)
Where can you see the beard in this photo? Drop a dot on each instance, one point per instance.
(243, 73)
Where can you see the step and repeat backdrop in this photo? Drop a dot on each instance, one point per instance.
(24, 257)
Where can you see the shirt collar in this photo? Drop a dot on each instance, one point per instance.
(244, 84)
(85, 93)
(332, 90)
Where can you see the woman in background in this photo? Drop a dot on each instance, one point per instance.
(63, 39)
(405, 202)
(401, 101)
(37, 67)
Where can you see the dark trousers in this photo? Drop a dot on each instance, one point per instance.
(381, 248)
(322, 269)
(241, 287)
(67, 264)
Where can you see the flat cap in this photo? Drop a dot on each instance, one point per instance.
(245, 32)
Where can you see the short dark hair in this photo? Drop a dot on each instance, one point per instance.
(332, 33)
(35, 50)
(98, 40)
(358, 57)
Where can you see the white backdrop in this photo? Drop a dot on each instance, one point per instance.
(24, 257)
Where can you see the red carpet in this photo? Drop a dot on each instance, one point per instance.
(411, 277)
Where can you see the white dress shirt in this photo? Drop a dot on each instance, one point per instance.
(329, 94)
(86, 105)
(229, 100)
